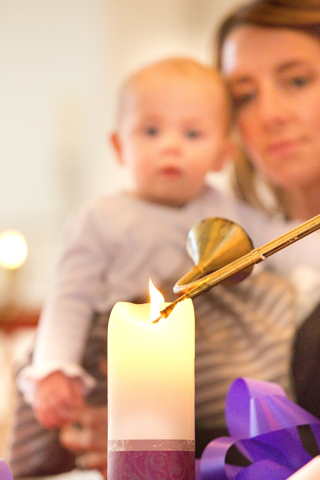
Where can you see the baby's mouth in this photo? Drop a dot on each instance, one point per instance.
(171, 171)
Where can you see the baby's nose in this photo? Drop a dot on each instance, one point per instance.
(172, 143)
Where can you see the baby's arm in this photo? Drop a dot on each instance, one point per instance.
(66, 316)
(57, 399)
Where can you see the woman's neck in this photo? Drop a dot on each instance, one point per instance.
(302, 204)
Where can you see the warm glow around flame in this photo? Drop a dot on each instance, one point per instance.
(156, 301)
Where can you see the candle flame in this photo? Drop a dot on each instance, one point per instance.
(156, 301)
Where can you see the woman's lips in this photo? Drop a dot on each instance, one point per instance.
(283, 148)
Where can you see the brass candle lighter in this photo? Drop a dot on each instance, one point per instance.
(223, 252)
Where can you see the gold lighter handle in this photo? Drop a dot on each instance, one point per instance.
(255, 256)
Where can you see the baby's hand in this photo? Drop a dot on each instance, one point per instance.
(57, 399)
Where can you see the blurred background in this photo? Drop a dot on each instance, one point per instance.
(62, 62)
(61, 65)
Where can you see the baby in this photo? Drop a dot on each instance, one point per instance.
(173, 127)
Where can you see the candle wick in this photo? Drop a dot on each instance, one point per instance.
(166, 311)
(157, 320)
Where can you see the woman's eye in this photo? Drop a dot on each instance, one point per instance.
(193, 133)
(299, 78)
(300, 81)
(243, 99)
(151, 131)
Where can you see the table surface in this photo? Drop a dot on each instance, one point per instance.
(74, 475)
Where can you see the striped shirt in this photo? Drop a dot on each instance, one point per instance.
(243, 330)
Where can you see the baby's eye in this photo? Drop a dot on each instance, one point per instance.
(192, 133)
(151, 131)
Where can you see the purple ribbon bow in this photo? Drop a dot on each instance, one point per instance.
(268, 433)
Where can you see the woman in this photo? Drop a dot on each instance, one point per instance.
(269, 54)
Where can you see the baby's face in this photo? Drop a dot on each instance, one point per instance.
(173, 131)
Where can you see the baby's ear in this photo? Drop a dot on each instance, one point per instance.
(115, 141)
(227, 152)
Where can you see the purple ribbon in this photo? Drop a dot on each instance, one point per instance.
(268, 433)
(5, 473)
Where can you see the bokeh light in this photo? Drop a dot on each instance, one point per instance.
(13, 249)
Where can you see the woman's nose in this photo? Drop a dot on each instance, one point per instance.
(274, 108)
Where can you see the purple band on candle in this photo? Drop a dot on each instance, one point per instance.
(264, 426)
(141, 465)
(5, 473)
(151, 445)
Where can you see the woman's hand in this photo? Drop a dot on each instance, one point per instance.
(88, 439)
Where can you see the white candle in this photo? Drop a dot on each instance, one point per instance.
(150, 384)
(311, 471)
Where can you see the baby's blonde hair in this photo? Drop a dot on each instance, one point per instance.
(181, 66)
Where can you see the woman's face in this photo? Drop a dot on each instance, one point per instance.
(274, 77)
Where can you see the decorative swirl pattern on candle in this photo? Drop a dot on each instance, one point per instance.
(157, 465)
